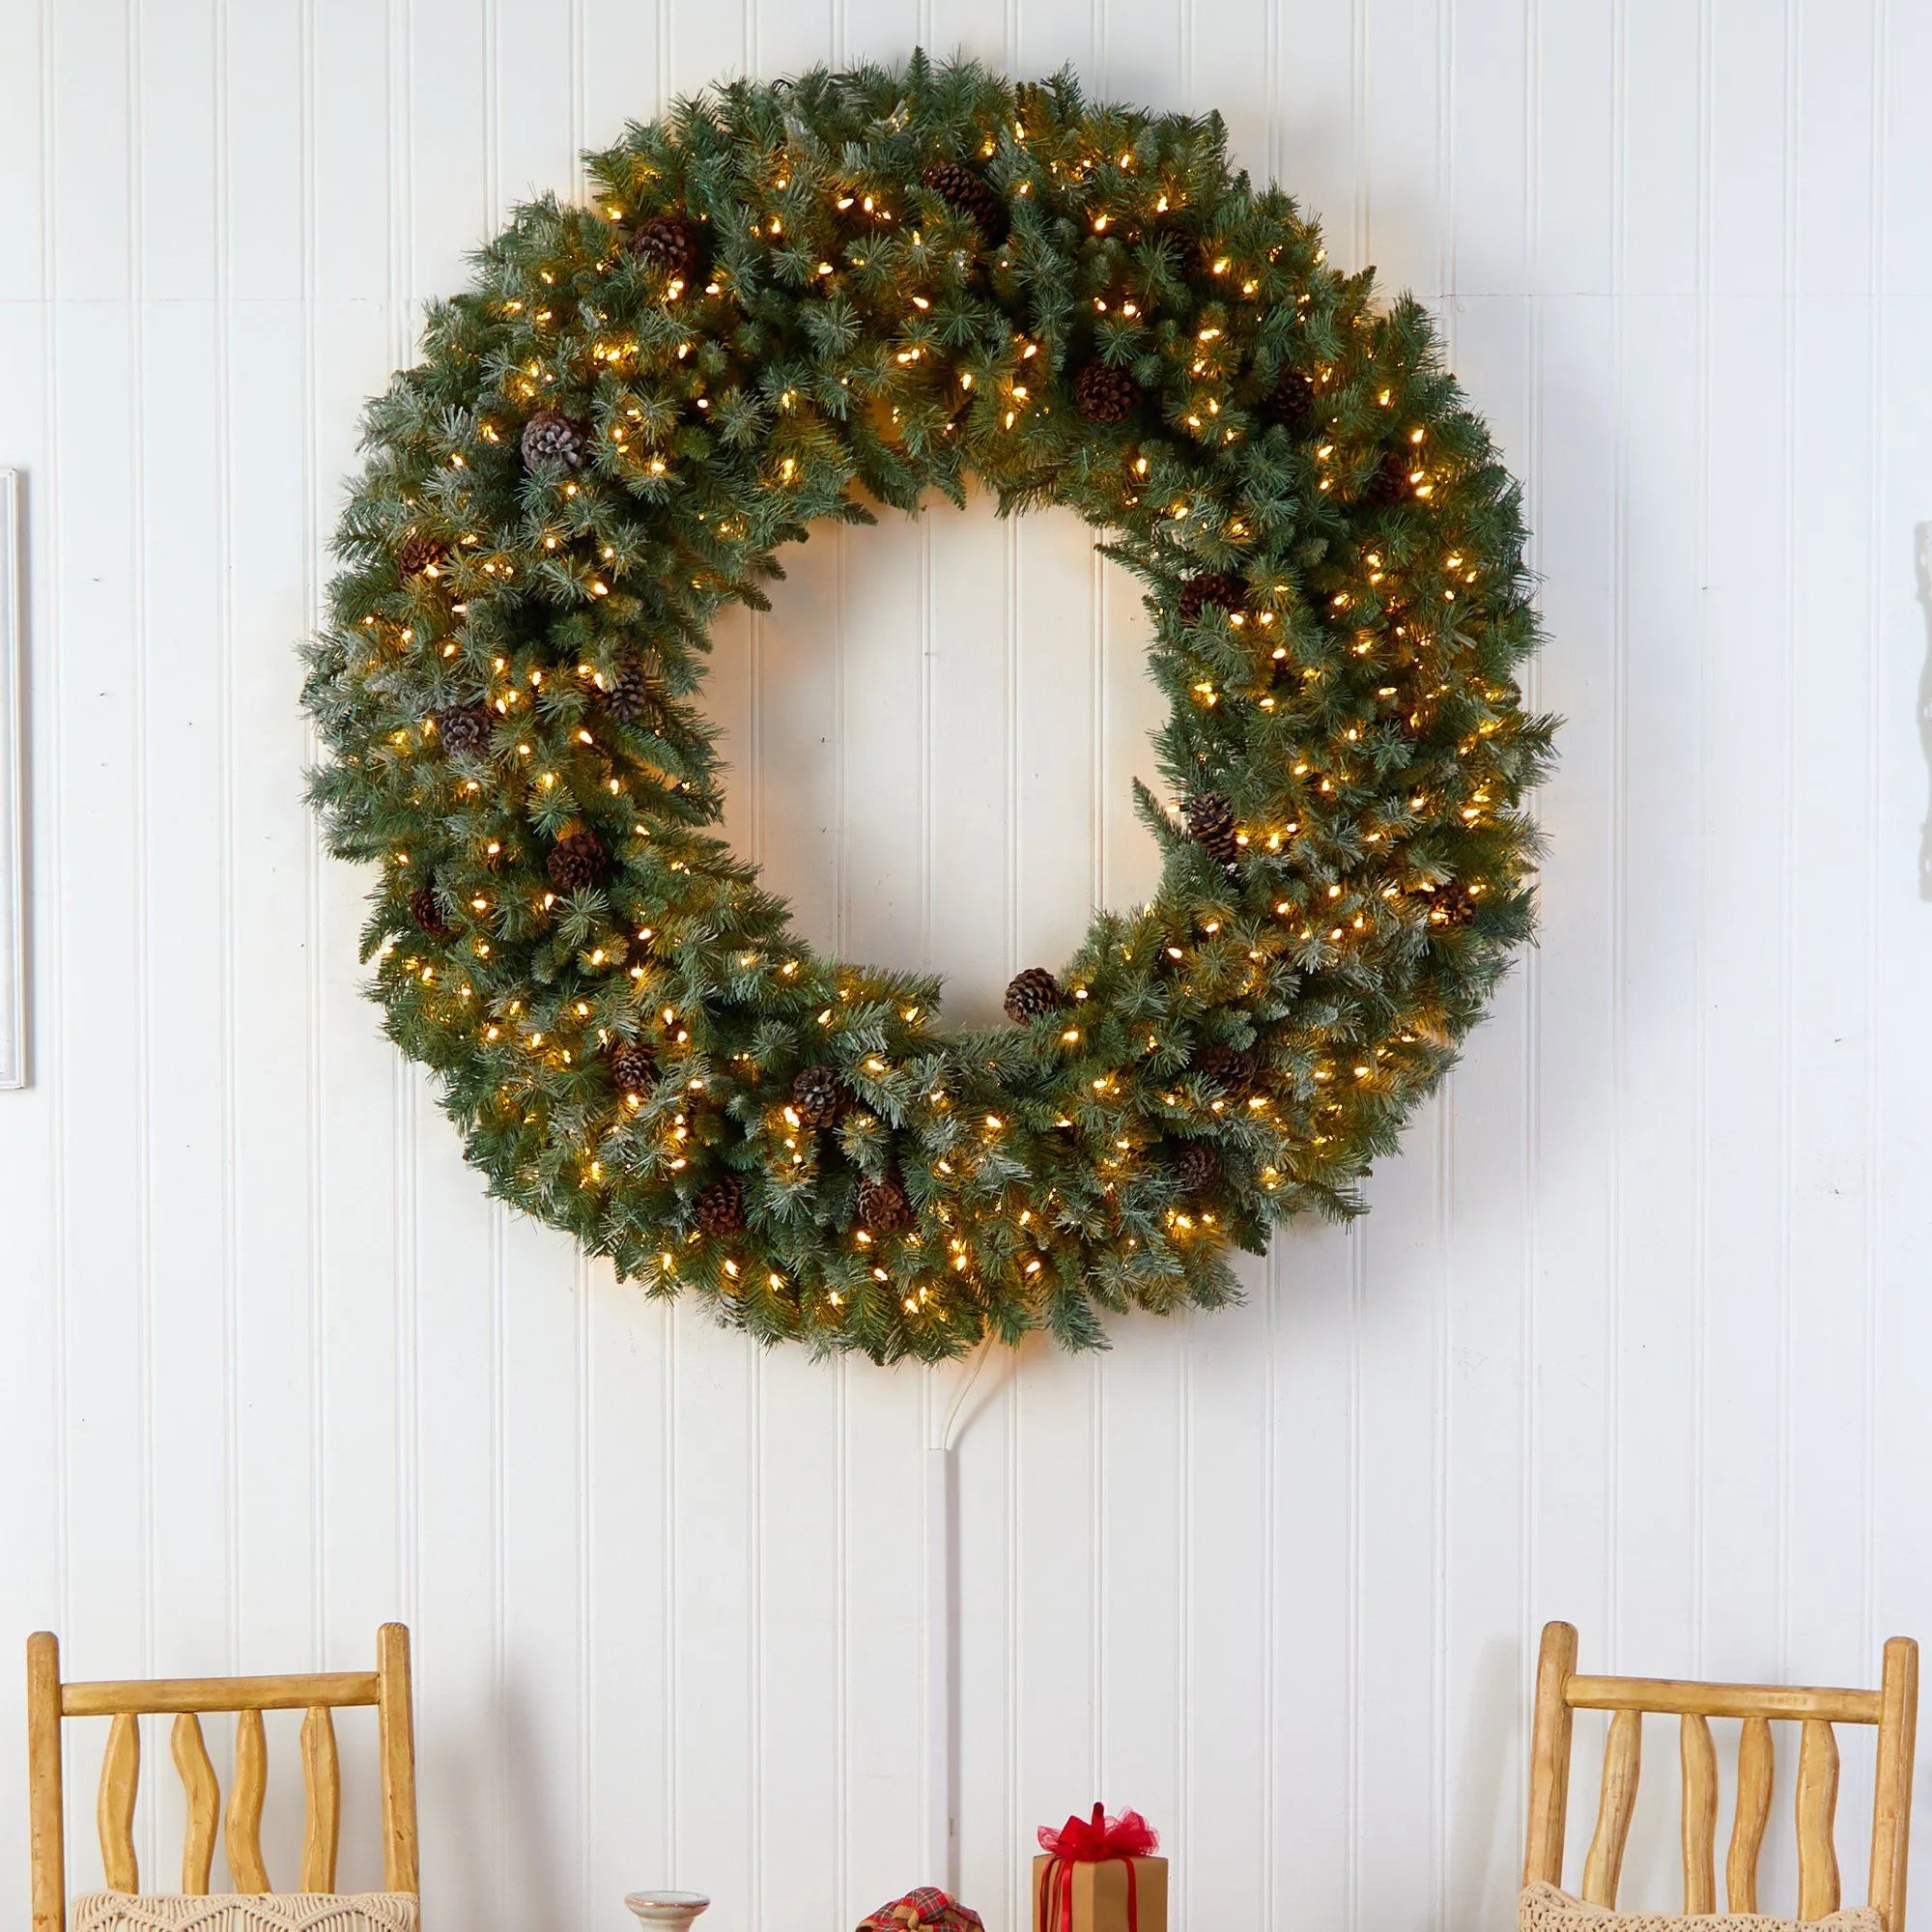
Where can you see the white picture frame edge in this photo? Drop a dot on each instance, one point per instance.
(12, 792)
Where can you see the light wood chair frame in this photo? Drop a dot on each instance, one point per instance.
(316, 1694)
(1894, 1708)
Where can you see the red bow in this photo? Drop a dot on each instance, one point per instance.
(1089, 1841)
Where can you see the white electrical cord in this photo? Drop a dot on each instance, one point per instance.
(949, 1434)
(942, 1853)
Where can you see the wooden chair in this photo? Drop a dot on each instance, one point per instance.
(49, 1700)
(1893, 1707)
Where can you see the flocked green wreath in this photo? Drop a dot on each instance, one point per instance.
(784, 299)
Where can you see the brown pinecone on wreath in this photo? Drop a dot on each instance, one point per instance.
(426, 909)
(628, 696)
(577, 860)
(1232, 1068)
(465, 727)
(883, 1205)
(1211, 824)
(1212, 587)
(419, 551)
(552, 436)
(1034, 992)
(1104, 395)
(721, 1207)
(1452, 906)
(1196, 1167)
(668, 243)
(1291, 403)
(971, 195)
(1390, 484)
(820, 1096)
(633, 1067)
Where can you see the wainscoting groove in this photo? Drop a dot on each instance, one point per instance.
(1636, 1332)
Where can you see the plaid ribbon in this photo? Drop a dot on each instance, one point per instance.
(924, 1906)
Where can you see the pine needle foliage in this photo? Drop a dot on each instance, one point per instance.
(785, 302)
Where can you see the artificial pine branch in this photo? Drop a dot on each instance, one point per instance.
(811, 326)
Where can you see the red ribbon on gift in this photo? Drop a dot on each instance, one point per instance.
(1087, 1841)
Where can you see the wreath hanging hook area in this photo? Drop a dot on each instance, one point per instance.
(782, 299)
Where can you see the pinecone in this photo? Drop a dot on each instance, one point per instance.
(1196, 1167)
(633, 1067)
(666, 243)
(426, 909)
(960, 188)
(1291, 403)
(1452, 907)
(721, 1207)
(419, 551)
(1104, 395)
(628, 696)
(1034, 992)
(465, 727)
(1232, 1068)
(883, 1205)
(820, 1096)
(1212, 587)
(1390, 484)
(1211, 824)
(575, 862)
(552, 436)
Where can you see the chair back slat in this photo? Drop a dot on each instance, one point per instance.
(1603, 1865)
(1817, 1811)
(1892, 1709)
(1699, 1758)
(322, 1784)
(203, 1802)
(246, 1790)
(1756, 1762)
(114, 1810)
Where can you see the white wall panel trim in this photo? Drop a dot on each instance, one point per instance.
(1634, 1332)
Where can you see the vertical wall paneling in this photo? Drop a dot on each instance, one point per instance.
(13, 995)
(100, 1192)
(1747, 652)
(33, 1421)
(182, 764)
(1634, 1332)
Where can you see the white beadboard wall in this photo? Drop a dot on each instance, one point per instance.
(1638, 1330)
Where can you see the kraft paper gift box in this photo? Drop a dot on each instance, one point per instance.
(1096, 1895)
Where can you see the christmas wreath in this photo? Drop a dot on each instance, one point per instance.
(784, 299)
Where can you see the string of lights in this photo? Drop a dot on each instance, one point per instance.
(787, 302)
